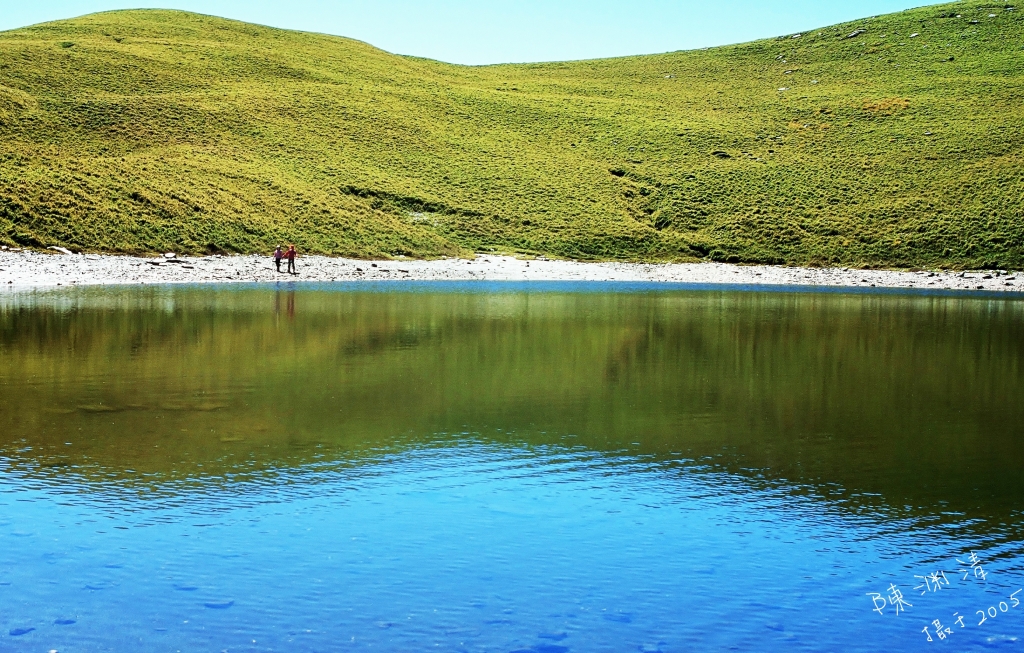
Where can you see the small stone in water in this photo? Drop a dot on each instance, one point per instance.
(553, 636)
(64, 622)
(220, 606)
(18, 632)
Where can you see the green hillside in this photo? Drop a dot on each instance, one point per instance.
(892, 141)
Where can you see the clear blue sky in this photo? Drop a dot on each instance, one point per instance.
(493, 31)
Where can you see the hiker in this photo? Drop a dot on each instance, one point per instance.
(290, 255)
(278, 255)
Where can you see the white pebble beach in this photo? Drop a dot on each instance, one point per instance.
(21, 269)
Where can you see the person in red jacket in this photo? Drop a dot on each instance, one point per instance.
(291, 255)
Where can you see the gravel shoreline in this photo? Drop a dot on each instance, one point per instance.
(21, 269)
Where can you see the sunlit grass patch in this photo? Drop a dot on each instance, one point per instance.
(857, 144)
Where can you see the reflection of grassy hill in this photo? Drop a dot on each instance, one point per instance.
(150, 130)
(913, 398)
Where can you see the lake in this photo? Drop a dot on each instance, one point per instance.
(537, 468)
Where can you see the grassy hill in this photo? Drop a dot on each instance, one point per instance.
(891, 141)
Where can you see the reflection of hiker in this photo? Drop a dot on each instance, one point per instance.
(278, 255)
(290, 255)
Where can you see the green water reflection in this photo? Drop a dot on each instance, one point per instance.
(908, 402)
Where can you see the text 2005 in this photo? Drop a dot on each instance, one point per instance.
(1003, 607)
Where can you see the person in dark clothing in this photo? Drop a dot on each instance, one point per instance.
(278, 255)
(291, 254)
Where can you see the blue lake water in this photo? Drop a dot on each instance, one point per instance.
(509, 467)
